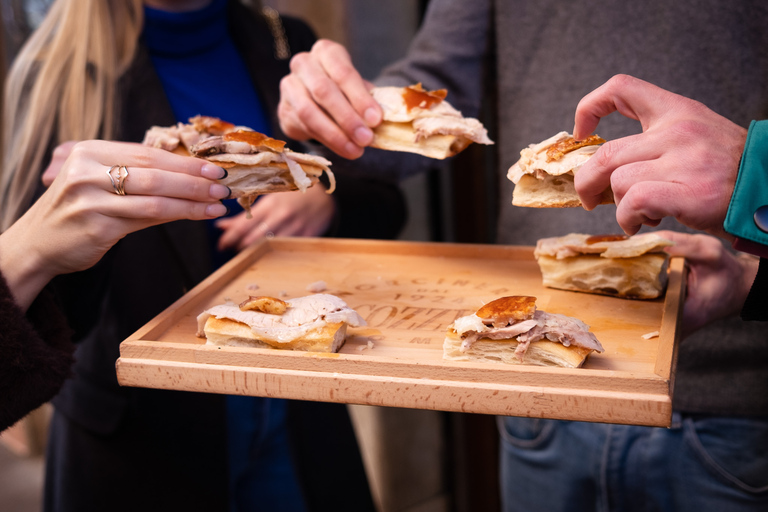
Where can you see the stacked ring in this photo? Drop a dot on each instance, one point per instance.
(117, 175)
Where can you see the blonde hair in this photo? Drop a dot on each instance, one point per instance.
(62, 86)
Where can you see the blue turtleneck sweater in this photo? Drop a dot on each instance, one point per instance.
(191, 52)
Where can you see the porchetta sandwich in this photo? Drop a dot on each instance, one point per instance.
(255, 164)
(543, 176)
(316, 323)
(511, 330)
(419, 121)
(630, 267)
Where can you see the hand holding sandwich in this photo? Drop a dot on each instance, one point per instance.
(325, 98)
(718, 280)
(80, 217)
(684, 164)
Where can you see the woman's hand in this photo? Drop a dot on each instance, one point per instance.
(325, 98)
(280, 214)
(80, 217)
(718, 280)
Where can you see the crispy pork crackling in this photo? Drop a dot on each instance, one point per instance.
(630, 267)
(316, 323)
(543, 176)
(419, 121)
(256, 164)
(511, 330)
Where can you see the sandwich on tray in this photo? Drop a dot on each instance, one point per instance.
(630, 267)
(419, 121)
(255, 164)
(316, 323)
(511, 330)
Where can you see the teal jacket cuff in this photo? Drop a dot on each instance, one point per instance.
(747, 216)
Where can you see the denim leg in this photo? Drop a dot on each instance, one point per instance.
(262, 476)
(550, 465)
(700, 464)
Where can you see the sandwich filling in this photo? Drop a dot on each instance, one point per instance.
(558, 155)
(428, 112)
(257, 164)
(516, 318)
(606, 246)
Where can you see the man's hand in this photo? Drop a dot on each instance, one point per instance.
(324, 98)
(718, 280)
(683, 165)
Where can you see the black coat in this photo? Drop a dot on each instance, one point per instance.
(114, 448)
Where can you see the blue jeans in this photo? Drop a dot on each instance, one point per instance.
(261, 472)
(700, 463)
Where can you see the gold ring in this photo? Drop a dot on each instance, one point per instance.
(118, 178)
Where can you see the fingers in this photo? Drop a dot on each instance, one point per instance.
(137, 155)
(631, 97)
(157, 182)
(325, 98)
(59, 156)
(597, 173)
(646, 203)
(152, 210)
(238, 232)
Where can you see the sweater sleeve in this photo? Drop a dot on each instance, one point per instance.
(36, 354)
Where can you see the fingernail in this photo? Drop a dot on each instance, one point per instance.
(219, 191)
(352, 149)
(372, 117)
(216, 210)
(213, 172)
(363, 136)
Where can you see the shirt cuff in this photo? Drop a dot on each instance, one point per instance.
(747, 217)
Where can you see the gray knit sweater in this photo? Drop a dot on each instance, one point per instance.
(545, 55)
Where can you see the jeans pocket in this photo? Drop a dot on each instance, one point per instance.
(529, 433)
(734, 449)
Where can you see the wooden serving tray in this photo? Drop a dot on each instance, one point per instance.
(409, 292)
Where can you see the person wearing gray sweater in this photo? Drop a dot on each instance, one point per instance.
(541, 58)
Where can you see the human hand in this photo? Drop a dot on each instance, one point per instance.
(80, 217)
(59, 156)
(325, 98)
(683, 165)
(718, 280)
(279, 214)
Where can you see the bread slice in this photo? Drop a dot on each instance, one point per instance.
(539, 353)
(225, 332)
(640, 277)
(392, 136)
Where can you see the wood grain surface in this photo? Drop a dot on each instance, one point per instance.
(408, 293)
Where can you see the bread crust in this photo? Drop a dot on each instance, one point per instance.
(225, 332)
(393, 136)
(539, 353)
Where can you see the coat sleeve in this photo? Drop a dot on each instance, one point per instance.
(36, 354)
